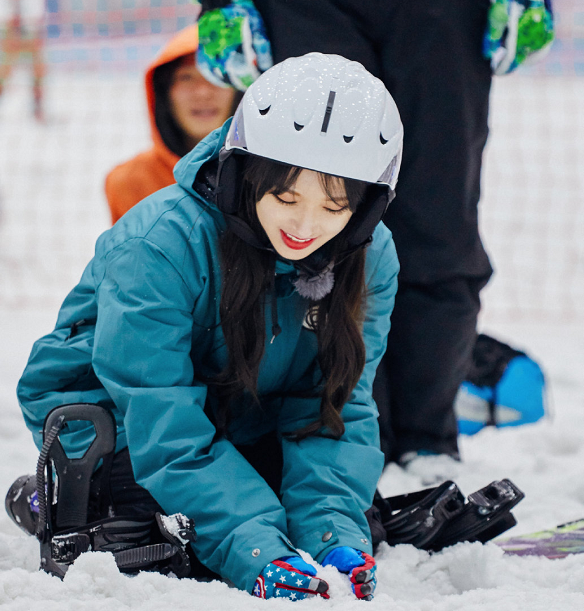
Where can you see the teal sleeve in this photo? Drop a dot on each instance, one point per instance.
(59, 371)
(328, 484)
(143, 340)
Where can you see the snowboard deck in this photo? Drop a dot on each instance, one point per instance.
(557, 542)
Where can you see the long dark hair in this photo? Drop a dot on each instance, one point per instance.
(337, 319)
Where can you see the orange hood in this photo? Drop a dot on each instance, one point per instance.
(183, 43)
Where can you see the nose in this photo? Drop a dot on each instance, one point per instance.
(203, 88)
(305, 222)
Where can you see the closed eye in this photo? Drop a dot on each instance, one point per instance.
(284, 201)
(337, 210)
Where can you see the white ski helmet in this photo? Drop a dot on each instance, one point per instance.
(323, 113)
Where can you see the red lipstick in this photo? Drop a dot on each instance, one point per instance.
(293, 243)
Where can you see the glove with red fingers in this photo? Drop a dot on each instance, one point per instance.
(289, 577)
(359, 566)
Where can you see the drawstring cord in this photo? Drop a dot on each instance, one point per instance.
(276, 329)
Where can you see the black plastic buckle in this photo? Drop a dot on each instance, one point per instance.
(498, 495)
(486, 515)
(418, 517)
(435, 518)
(66, 548)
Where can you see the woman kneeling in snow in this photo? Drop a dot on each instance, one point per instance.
(233, 323)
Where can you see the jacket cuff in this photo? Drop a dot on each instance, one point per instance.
(334, 533)
(244, 567)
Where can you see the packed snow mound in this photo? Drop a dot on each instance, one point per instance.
(468, 576)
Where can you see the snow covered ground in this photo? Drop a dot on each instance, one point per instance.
(52, 208)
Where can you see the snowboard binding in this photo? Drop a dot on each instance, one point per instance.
(436, 518)
(63, 489)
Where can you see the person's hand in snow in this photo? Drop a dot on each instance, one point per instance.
(289, 577)
(359, 566)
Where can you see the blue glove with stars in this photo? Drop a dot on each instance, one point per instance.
(359, 566)
(289, 577)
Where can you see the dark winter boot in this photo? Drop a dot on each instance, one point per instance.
(22, 504)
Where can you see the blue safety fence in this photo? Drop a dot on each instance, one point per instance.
(108, 35)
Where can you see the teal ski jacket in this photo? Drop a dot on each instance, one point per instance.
(145, 316)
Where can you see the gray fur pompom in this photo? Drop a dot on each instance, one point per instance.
(318, 286)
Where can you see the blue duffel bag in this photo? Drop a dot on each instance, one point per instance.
(504, 387)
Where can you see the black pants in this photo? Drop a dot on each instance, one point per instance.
(428, 54)
(128, 498)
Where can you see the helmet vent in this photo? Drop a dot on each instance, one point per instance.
(348, 139)
(265, 111)
(327, 114)
(382, 139)
(298, 127)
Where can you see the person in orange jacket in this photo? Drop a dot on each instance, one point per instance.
(183, 107)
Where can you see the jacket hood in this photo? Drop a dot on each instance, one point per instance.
(184, 43)
(187, 170)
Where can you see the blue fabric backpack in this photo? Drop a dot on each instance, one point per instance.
(504, 387)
